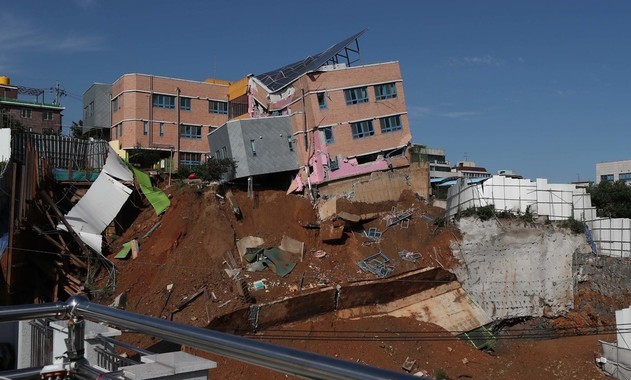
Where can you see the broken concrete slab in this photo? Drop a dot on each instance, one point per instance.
(331, 230)
(292, 245)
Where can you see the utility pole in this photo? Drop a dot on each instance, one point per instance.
(59, 92)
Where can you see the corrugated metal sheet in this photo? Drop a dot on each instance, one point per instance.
(61, 151)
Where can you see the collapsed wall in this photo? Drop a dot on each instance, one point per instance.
(513, 270)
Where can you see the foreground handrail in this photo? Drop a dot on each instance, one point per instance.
(279, 358)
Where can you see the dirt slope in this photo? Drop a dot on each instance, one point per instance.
(188, 250)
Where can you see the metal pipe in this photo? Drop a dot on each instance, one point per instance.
(26, 312)
(23, 373)
(282, 359)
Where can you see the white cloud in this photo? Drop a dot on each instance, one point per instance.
(18, 34)
(485, 60)
(423, 111)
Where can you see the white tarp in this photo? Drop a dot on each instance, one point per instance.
(115, 167)
(96, 209)
(5, 144)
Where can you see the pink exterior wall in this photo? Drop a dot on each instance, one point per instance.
(339, 116)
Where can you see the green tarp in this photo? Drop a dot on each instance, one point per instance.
(124, 253)
(277, 260)
(156, 197)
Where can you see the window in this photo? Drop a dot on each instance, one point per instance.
(119, 128)
(385, 91)
(624, 177)
(185, 104)
(322, 100)
(217, 156)
(85, 112)
(190, 160)
(163, 101)
(191, 131)
(218, 107)
(290, 141)
(334, 164)
(47, 115)
(161, 129)
(26, 113)
(253, 147)
(224, 152)
(356, 95)
(390, 123)
(328, 135)
(145, 128)
(115, 104)
(362, 129)
(606, 177)
(91, 109)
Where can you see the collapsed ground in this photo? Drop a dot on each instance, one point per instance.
(187, 252)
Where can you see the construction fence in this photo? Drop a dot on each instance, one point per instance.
(610, 236)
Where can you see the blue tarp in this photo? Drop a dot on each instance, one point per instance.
(4, 243)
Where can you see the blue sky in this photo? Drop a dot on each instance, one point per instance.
(538, 87)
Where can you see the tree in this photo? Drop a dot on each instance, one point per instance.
(611, 199)
(76, 129)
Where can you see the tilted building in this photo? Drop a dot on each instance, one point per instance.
(344, 120)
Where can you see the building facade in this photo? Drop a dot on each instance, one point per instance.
(33, 116)
(613, 171)
(345, 120)
(168, 115)
(97, 115)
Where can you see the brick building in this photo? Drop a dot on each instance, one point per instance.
(31, 115)
(168, 115)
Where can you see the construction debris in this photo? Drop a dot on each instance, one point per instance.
(331, 230)
(378, 264)
(409, 256)
(372, 234)
(409, 364)
(397, 217)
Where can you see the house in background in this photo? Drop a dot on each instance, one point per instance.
(97, 115)
(31, 115)
(613, 171)
(345, 120)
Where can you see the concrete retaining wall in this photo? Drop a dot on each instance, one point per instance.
(324, 300)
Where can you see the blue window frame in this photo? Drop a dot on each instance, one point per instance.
(606, 177)
(356, 95)
(322, 100)
(185, 104)
(385, 91)
(362, 129)
(328, 135)
(115, 104)
(390, 123)
(215, 106)
(164, 101)
(190, 131)
(190, 160)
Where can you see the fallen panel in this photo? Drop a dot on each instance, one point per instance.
(115, 167)
(248, 242)
(124, 252)
(96, 209)
(291, 245)
(155, 196)
(5, 144)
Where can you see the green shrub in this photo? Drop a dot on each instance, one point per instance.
(576, 226)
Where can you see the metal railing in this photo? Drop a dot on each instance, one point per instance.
(282, 359)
